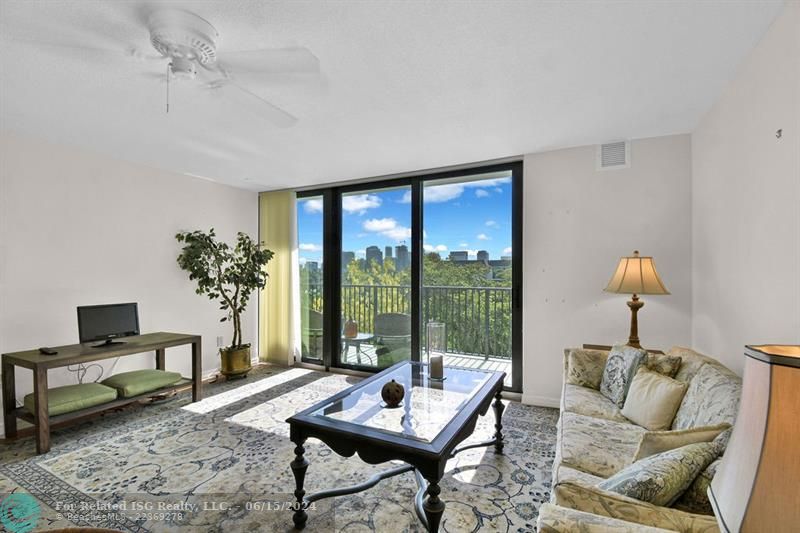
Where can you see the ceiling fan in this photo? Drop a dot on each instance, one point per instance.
(189, 43)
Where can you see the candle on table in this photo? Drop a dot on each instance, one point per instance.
(437, 366)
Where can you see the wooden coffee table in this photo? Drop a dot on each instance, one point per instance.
(434, 417)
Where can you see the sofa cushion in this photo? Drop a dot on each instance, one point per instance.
(695, 498)
(557, 519)
(564, 472)
(597, 446)
(660, 479)
(596, 501)
(61, 400)
(712, 398)
(653, 399)
(654, 442)
(621, 365)
(589, 402)
(691, 362)
(585, 367)
(141, 381)
(667, 365)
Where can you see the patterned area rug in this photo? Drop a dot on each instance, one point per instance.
(223, 465)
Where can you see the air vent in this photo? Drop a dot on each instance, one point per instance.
(613, 155)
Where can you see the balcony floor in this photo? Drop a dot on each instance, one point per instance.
(499, 364)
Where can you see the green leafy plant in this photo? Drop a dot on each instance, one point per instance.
(229, 274)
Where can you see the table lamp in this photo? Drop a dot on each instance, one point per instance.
(757, 485)
(636, 275)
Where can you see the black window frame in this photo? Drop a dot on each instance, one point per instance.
(332, 277)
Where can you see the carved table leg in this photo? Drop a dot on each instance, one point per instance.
(299, 467)
(433, 506)
(498, 422)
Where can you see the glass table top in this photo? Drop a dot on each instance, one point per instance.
(427, 407)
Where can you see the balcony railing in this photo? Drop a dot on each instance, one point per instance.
(478, 319)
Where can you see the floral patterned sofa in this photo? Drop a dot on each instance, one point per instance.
(596, 441)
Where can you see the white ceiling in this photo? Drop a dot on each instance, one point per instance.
(406, 85)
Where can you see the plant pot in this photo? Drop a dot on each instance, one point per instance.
(235, 362)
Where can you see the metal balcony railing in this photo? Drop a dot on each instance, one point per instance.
(478, 319)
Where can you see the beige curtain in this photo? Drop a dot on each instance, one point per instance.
(279, 323)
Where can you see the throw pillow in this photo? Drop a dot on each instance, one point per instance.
(654, 442)
(712, 398)
(660, 479)
(724, 437)
(663, 364)
(618, 373)
(653, 399)
(585, 367)
(695, 499)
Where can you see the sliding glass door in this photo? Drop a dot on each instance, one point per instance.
(375, 286)
(383, 262)
(467, 272)
(310, 216)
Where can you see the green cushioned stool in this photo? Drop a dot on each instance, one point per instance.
(138, 382)
(61, 400)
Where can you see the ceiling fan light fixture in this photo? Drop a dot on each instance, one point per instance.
(182, 35)
(183, 68)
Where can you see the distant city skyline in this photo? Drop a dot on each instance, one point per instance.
(458, 217)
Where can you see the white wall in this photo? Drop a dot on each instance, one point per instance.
(746, 203)
(578, 222)
(78, 229)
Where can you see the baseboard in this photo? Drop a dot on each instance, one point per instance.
(541, 401)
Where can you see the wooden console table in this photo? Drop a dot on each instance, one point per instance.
(85, 353)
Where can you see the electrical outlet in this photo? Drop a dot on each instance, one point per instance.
(219, 341)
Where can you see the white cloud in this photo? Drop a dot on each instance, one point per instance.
(302, 260)
(359, 203)
(313, 206)
(377, 225)
(463, 244)
(433, 194)
(388, 227)
(437, 248)
(310, 247)
(483, 237)
(507, 251)
(491, 223)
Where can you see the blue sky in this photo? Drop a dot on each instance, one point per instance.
(471, 216)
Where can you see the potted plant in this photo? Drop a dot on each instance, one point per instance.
(229, 275)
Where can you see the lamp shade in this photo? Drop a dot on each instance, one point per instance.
(636, 275)
(757, 485)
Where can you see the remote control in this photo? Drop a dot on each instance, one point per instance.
(47, 351)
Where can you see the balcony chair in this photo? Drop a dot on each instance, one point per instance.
(311, 327)
(392, 338)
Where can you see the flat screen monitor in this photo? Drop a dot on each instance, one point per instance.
(107, 322)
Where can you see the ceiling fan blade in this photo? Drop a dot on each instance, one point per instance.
(254, 103)
(269, 61)
(66, 47)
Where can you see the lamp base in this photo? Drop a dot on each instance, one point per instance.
(635, 304)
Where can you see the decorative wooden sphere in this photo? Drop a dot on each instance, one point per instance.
(392, 393)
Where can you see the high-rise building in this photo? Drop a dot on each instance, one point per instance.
(483, 255)
(387, 253)
(347, 258)
(402, 261)
(374, 255)
(461, 255)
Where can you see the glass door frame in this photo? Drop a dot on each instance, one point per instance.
(415, 250)
(332, 254)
